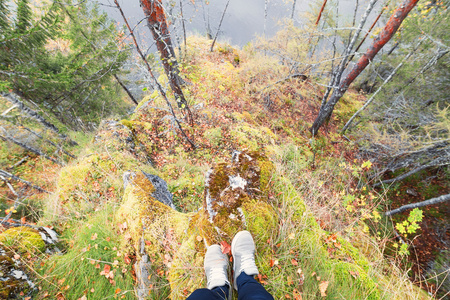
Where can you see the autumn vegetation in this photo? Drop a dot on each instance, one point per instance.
(78, 143)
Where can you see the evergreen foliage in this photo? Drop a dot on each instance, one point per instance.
(63, 60)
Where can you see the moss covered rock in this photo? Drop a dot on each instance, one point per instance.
(175, 242)
(23, 239)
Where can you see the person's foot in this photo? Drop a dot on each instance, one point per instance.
(216, 264)
(243, 251)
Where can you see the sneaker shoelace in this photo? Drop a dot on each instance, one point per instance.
(247, 262)
(217, 273)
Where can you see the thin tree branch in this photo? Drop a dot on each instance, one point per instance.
(220, 24)
(31, 149)
(441, 161)
(391, 75)
(432, 201)
(7, 175)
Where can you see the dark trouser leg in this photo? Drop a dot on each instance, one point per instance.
(250, 289)
(217, 293)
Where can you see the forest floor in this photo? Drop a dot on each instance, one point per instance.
(239, 103)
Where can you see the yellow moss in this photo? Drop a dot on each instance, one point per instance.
(248, 117)
(214, 135)
(199, 225)
(146, 217)
(24, 239)
(72, 176)
(136, 124)
(252, 138)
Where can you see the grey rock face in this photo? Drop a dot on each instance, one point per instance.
(161, 192)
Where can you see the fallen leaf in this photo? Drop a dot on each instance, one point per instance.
(94, 236)
(272, 262)
(127, 259)
(294, 262)
(118, 290)
(323, 285)
(297, 295)
(106, 270)
(226, 248)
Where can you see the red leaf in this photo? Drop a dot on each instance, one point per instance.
(127, 259)
(226, 248)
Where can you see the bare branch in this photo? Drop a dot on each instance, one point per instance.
(7, 176)
(441, 161)
(432, 201)
(220, 24)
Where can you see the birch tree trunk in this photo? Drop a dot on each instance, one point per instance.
(386, 34)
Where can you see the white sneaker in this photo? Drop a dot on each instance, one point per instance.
(216, 264)
(243, 250)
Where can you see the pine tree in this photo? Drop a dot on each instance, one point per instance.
(75, 80)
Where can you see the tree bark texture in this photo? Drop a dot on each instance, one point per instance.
(156, 20)
(386, 34)
(432, 201)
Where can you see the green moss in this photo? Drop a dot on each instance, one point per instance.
(24, 239)
(214, 136)
(267, 169)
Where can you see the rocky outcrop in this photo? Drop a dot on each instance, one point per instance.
(173, 244)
